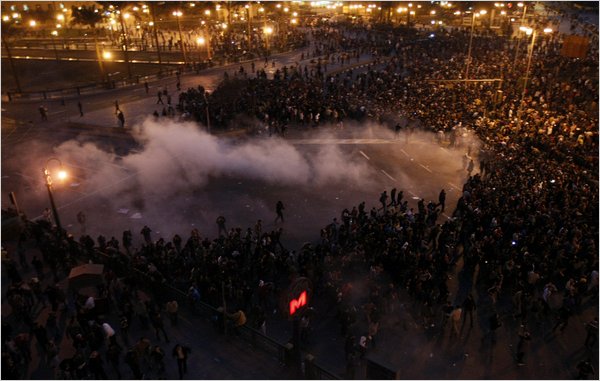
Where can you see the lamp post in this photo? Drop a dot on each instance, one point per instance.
(268, 31)
(249, 20)
(520, 30)
(475, 14)
(201, 41)
(178, 15)
(52, 35)
(533, 33)
(6, 25)
(154, 32)
(207, 111)
(125, 51)
(62, 175)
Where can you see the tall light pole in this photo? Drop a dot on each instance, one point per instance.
(52, 35)
(268, 31)
(178, 15)
(207, 111)
(249, 20)
(5, 26)
(201, 41)
(520, 30)
(533, 33)
(154, 32)
(475, 14)
(62, 175)
(125, 51)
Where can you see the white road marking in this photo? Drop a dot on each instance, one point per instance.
(404, 152)
(92, 170)
(365, 155)
(427, 169)
(454, 186)
(388, 175)
(27, 177)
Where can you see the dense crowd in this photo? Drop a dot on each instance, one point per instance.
(524, 230)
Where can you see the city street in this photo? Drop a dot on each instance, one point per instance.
(294, 154)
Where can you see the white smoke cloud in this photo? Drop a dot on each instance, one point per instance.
(177, 157)
(180, 177)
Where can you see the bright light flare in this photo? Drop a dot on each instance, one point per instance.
(106, 55)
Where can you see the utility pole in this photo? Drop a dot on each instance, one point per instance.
(125, 52)
(152, 9)
(12, 64)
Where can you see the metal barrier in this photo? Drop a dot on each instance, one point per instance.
(165, 292)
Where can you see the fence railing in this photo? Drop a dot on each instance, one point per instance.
(165, 292)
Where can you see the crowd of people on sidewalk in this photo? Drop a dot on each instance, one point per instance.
(524, 228)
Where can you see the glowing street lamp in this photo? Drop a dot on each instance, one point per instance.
(178, 15)
(475, 14)
(203, 42)
(106, 55)
(61, 175)
(268, 31)
(53, 34)
(533, 33)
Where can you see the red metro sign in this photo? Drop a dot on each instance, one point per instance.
(296, 304)
(298, 295)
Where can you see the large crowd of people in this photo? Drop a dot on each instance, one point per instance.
(525, 229)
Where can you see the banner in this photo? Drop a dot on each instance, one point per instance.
(575, 46)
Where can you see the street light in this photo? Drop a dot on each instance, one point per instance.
(268, 31)
(475, 14)
(202, 41)
(61, 175)
(53, 34)
(178, 15)
(524, 6)
(533, 33)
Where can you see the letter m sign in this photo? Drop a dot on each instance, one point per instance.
(296, 304)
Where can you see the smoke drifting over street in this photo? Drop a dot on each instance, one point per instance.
(178, 157)
(180, 177)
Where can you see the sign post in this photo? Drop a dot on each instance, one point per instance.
(299, 295)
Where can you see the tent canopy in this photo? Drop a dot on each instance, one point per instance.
(86, 275)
